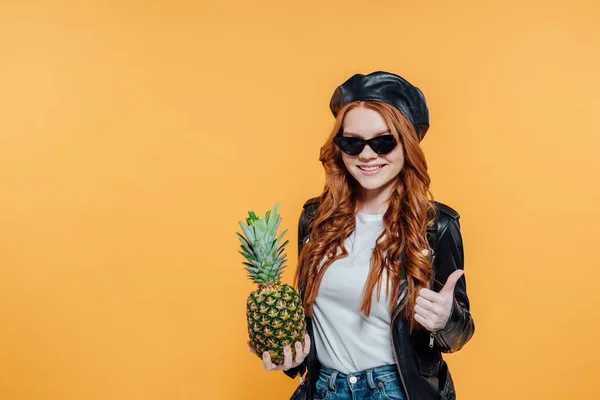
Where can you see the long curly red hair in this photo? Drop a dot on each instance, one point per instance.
(405, 221)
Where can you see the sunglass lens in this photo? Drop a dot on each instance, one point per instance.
(383, 144)
(349, 145)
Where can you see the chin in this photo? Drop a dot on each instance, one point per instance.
(370, 185)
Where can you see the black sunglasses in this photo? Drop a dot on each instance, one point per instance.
(354, 146)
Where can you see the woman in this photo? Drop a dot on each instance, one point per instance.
(380, 265)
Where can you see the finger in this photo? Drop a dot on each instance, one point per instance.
(299, 353)
(267, 361)
(435, 308)
(426, 304)
(287, 358)
(306, 344)
(422, 321)
(430, 295)
(451, 282)
(423, 312)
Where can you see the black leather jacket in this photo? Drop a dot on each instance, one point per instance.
(424, 374)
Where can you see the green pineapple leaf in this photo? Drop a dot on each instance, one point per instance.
(248, 232)
(253, 216)
(262, 249)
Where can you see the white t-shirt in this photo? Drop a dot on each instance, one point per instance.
(344, 338)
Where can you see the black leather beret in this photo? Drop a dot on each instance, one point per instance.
(388, 88)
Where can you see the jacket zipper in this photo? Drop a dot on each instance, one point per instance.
(432, 334)
(395, 349)
(396, 312)
(432, 338)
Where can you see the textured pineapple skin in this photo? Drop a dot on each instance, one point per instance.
(275, 320)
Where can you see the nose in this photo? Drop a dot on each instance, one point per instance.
(367, 153)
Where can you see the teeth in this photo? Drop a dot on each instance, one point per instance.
(370, 168)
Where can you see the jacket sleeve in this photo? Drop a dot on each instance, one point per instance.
(449, 257)
(299, 370)
(302, 223)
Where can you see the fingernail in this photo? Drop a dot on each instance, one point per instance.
(287, 349)
(265, 354)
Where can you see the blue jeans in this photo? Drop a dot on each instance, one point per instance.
(373, 384)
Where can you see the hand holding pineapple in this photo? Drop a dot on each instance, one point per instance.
(288, 361)
(274, 311)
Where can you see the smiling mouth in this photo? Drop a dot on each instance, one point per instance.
(374, 168)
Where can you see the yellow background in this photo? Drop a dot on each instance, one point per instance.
(135, 134)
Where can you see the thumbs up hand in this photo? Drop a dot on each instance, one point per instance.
(433, 309)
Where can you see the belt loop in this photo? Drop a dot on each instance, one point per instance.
(332, 378)
(370, 380)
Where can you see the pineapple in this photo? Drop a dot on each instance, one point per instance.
(274, 311)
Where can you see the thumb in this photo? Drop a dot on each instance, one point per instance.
(451, 282)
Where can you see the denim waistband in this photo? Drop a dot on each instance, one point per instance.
(368, 376)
